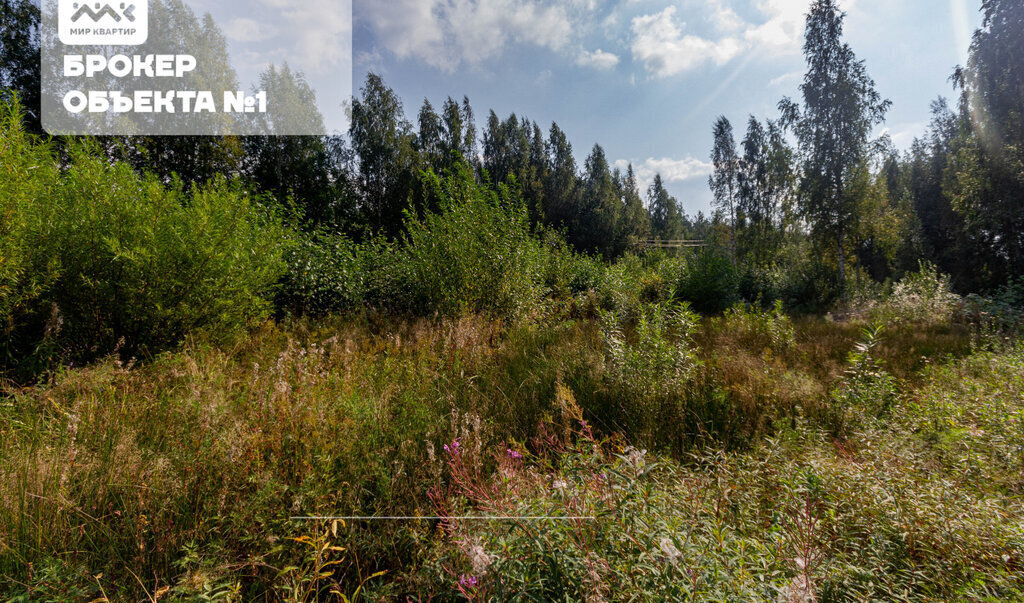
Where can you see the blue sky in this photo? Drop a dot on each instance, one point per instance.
(645, 78)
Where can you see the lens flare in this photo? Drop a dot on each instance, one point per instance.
(984, 126)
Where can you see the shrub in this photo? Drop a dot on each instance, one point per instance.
(475, 254)
(655, 389)
(709, 282)
(867, 392)
(1000, 313)
(106, 259)
(807, 284)
(759, 284)
(568, 273)
(758, 328)
(624, 287)
(921, 297)
(326, 273)
(660, 357)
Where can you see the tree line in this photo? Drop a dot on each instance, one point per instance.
(955, 199)
(814, 178)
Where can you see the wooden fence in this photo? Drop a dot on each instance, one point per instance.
(676, 244)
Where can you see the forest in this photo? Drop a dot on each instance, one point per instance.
(437, 358)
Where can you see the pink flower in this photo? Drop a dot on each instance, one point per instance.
(469, 582)
(512, 454)
(453, 448)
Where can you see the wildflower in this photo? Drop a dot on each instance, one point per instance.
(560, 484)
(469, 582)
(453, 448)
(512, 454)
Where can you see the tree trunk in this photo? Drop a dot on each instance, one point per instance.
(842, 268)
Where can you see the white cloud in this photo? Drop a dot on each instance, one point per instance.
(326, 26)
(660, 44)
(671, 170)
(448, 33)
(249, 30)
(598, 59)
(724, 17)
(903, 134)
(783, 31)
(787, 79)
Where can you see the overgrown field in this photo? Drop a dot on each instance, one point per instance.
(185, 372)
(743, 457)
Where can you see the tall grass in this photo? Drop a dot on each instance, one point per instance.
(184, 471)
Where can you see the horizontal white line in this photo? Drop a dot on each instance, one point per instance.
(438, 518)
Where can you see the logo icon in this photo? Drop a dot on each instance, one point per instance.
(107, 22)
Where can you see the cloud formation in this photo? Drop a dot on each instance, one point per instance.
(249, 30)
(660, 44)
(671, 170)
(326, 26)
(447, 34)
(598, 59)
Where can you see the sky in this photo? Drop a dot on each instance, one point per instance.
(644, 78)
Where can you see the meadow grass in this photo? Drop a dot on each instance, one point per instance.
(771, 468)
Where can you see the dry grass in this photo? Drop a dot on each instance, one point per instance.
(184, 471)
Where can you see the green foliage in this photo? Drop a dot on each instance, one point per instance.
(326, 273)
(567, 273)
(636, 280)
(667, 218)
(658, 359)
(19, 57)
(759, 328)
(924, 296)
(985, 179)
(868, 392)
(840, 109)
(383, 139)
(709, 282)
(99, 258)
(1002, 311)
(476, 254)
(807, 283)
(725, 181)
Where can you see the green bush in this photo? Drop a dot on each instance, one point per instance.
(477, 253)
(326, 273)
(921, 297)
(636, 281)
(568, 273)
(758, 328)
(655, 389)
(1000, 313)
(98, 258)
(709, 282)
(809, 285)
(867, 392)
